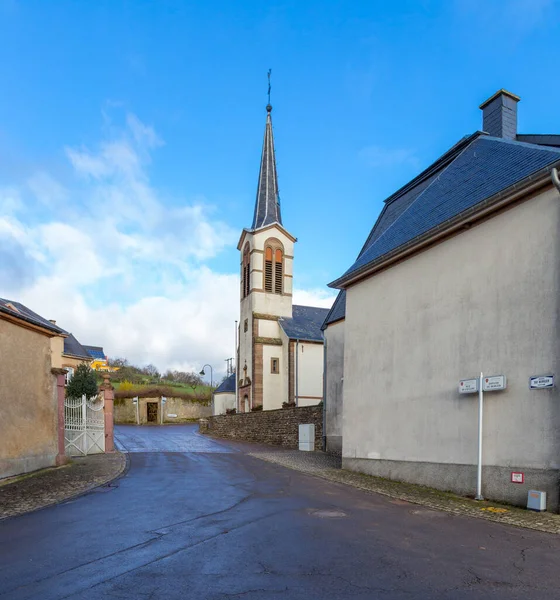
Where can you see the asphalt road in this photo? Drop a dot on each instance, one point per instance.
(197, 519)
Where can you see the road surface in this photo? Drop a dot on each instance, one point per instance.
(194, 518)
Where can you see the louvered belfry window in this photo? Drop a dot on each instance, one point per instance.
(273, 270)
(278, 272)
(245, 272)
(268, 274)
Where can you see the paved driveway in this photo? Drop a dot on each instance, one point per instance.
(167, 438)
(219, 524)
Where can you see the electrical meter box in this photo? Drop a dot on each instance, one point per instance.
(536, 500)
(307, 437)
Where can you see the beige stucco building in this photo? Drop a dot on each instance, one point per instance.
(459, 276)
(280, 352)
(29, 427)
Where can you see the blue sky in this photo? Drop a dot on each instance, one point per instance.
(130, 135)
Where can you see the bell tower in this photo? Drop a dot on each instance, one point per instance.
(266, 260)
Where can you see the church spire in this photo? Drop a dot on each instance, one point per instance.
(267, 206)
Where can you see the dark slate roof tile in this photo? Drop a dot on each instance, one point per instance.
(95, 352)
(484, 168)
(305, 323)
(267, 205)
(227, 386)
(73, 347)
(28, 315)
(338, 310)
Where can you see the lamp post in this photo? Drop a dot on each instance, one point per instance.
(211, 373)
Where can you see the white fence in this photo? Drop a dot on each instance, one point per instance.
(84, 425)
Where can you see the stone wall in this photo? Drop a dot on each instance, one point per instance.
(278, 427)
(175, 410)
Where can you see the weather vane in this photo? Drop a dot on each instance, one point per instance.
(269, 72)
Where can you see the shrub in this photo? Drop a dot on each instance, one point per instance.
(256, 408)
(230, 411)
(83, 382)
(288, 404)
(126, 386)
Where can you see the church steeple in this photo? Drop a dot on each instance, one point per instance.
(267, 206)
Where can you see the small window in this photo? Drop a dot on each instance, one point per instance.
(69, 374)
(246, 325)
(275, 365)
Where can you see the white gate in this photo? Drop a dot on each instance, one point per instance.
(84, 425)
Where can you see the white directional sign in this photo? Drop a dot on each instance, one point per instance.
(468, 386)
(135, 400)
(163, 399)
(540, 382)
(494, 383)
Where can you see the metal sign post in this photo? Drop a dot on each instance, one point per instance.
(481, 385)
(480, 415)
(135, 401)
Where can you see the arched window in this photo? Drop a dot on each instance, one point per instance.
(273, 267)
(245, 272)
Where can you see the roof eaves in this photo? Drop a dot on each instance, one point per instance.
(518, 187)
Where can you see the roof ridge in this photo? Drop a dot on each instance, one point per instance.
(413, 203)
(541, 147)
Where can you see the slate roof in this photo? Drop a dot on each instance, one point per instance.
(227, 386)
(267, 205)
(305, 324)
(95, 352)
(26, 314)
(74, 348)
(483, 167)
(338, 310)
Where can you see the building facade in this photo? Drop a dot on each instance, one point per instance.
(458, 276)
(280, 352)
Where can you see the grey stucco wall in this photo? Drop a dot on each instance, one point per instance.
(486, 299)
(334, 385)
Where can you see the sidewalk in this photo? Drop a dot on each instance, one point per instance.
(329, 467)
(30, 492)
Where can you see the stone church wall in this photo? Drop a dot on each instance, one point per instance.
(276, 427)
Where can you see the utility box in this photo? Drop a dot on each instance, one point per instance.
(307, 437)
(536, 500)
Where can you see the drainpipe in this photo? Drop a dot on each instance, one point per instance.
(297, 373)
(324, 393)
(555, 178)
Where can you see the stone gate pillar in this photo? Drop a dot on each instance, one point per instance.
(108, 396)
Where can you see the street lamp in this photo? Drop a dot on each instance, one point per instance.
(211, 373)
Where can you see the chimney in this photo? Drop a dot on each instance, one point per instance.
(52, 321)
(499, 115)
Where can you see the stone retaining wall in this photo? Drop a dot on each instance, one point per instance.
(175, 410)
(278, 427)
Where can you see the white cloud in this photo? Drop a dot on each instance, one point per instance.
(108, 257)
(315, 297)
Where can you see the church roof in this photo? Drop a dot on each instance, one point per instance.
(267, 205)
(305, 324)
(474, 170)
(227, 385)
